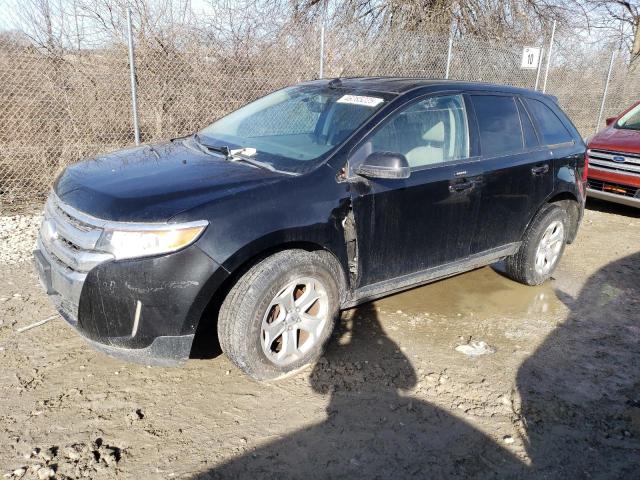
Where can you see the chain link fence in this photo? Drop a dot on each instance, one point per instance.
(57, 108)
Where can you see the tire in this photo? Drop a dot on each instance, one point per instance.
(525, 265)
(263, 303)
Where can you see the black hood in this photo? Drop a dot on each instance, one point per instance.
(154, 183)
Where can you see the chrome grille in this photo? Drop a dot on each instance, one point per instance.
(70, 239)
(67, 240)
(627, 163)
(72, 220)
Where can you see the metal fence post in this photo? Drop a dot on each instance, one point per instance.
(134, 90)
(324, 15)
(321, 51)
(446, 74)
(546, 73)
(539, 67)
(604, 93)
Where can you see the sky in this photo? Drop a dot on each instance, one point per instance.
(5, 23)
(8, 10)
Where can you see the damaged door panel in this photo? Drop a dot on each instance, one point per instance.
(351, 241)
(412, 224)
(419, 224)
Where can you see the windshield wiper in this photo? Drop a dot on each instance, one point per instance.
(223, 149)
(238, 155)
(235, 157)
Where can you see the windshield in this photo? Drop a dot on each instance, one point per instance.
(631, 119)
(296, 128)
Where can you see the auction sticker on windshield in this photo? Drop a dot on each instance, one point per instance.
(361, 100)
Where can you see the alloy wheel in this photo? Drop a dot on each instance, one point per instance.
(294, 320)
(549, 247)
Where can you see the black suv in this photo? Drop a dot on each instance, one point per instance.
(312, 199)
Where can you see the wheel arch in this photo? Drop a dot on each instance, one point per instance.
(237, 266)
(569, 201)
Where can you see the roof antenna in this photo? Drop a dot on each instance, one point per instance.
(335, 83)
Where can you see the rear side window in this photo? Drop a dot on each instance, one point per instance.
(550, 127)
(499, 124)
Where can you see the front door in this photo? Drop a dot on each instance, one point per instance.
(407, 226)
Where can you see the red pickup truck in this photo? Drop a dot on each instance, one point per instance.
(614, 159)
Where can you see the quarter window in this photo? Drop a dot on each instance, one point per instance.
(429, 132)
(499, 124)
(551, 128)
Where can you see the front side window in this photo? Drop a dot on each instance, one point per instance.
(551, 129)
(498, 123)
(429, 132)
(295, 128)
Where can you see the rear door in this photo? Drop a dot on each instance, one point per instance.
(407, 226)
(517, 170)
(562, 140)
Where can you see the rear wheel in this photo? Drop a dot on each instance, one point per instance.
(542, 247)
(278, 316)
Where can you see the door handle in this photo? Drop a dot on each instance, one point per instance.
(540, 170)
(460, 187)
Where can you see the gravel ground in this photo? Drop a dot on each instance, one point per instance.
(553, 393)
(18, 237)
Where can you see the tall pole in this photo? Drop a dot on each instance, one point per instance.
(324, 15)
(134, 90)
(539, 67)
(546, 73)
(604, 93)
(449, 51)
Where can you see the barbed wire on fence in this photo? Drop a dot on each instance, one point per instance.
(60, 108)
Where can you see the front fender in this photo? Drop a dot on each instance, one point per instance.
(293, 213)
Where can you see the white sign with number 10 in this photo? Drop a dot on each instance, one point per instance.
(530, 57)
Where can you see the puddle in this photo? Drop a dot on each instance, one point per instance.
(483, 292)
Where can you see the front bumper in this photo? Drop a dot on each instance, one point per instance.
(615, 198)
(615, 182)
(144, 310)
(165, 351)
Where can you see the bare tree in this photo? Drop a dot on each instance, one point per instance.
(489, 19)
(619, 20)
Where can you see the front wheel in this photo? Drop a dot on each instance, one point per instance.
(278, 316)
(541, 248)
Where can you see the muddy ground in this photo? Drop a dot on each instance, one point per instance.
(559, 398)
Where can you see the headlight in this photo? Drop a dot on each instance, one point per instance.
(144, 240)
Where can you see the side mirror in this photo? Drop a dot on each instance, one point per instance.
(384, 165)
(610, 120)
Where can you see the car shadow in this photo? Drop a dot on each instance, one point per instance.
(611, 207)
(580, 390)
(372, 429)
(205, 342)
(579, 404)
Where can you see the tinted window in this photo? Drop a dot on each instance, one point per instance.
(530, 137)
(499, 124)
(429, 132)
(550, 127)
